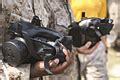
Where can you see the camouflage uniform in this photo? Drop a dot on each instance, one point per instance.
(93, 66)
(53, 14)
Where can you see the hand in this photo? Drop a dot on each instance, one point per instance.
(38, 68)
(61, 67)
(85, 49)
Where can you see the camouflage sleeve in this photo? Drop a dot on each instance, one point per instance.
(13, 10)
(19, 73)
(17, 9)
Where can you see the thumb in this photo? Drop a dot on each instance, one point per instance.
(88, 44)
(54, 63)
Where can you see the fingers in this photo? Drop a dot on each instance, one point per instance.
(62, 46)
(88, 44)
(61, 67)
(90, 50)
(94, 47)
(85, 49)
(68, 55)
(65, 51)
(54, 63)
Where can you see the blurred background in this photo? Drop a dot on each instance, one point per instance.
(113, 39)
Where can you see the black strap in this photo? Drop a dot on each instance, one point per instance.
(78, 61)
(69, 13)
(78, 67)
(33, 7)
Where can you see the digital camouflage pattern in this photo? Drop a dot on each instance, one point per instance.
(54, 14)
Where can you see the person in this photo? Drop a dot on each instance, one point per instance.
(93, 64)
(93, 60)
(54, 14)
(15, 10)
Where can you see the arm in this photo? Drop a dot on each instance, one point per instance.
(37, 69)
(85, 49)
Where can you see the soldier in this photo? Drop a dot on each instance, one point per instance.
(54, 14)
(93, 64)
(15, 10)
